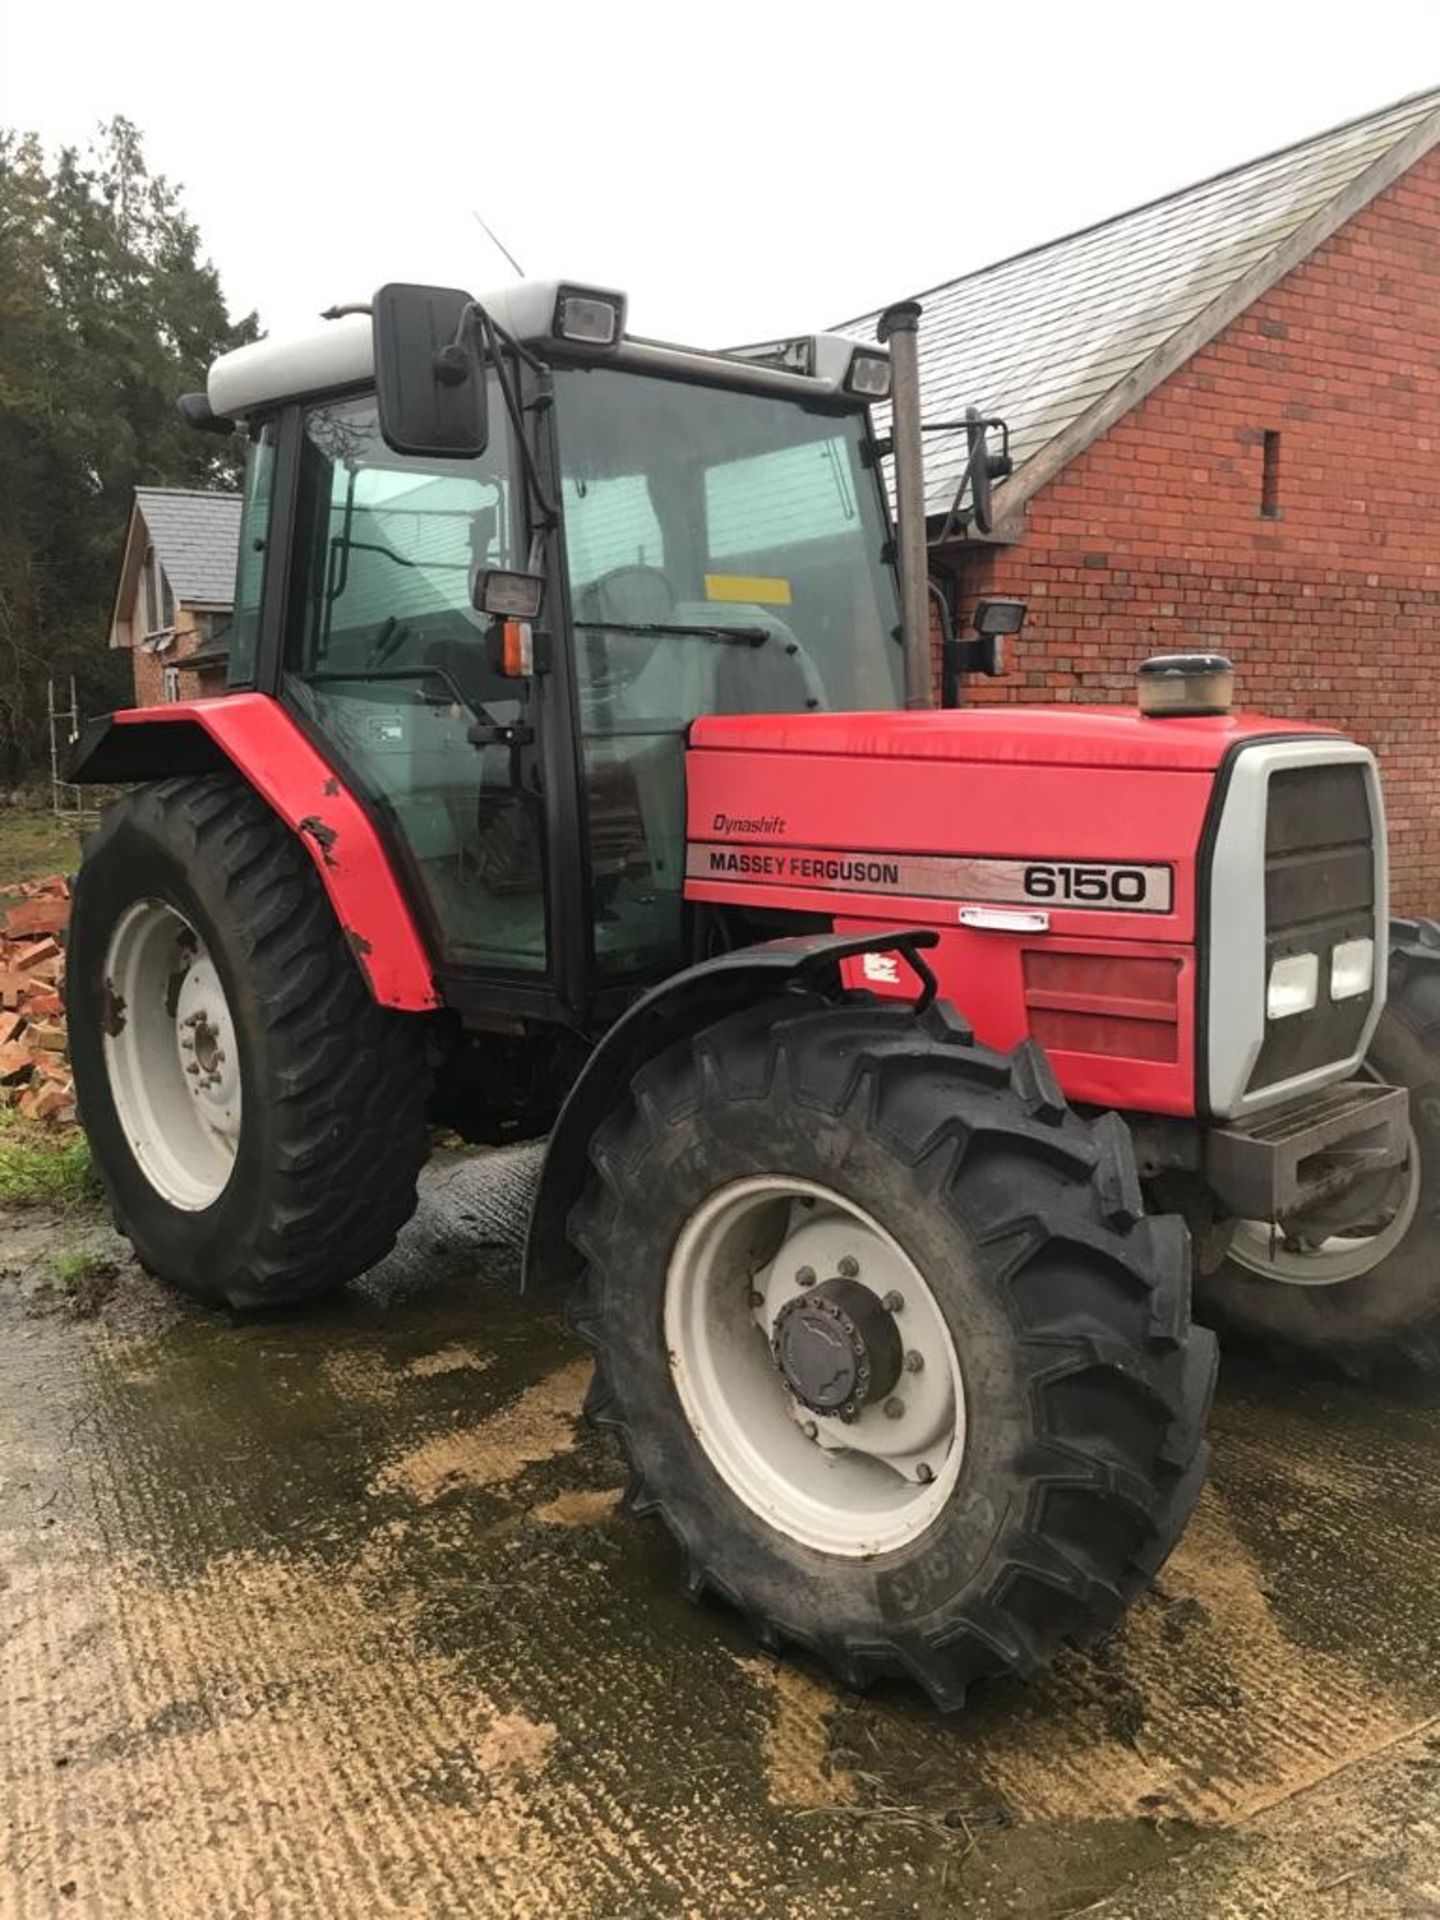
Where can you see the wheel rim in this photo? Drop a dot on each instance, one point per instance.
(171, 1055)
(759, 1255)
(1335, 1260)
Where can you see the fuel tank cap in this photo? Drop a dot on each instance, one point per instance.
(1173, 685)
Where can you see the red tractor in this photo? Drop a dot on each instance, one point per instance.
(579, 775)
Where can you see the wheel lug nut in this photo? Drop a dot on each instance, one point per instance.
(893, 1302)
(810, 1430)
(756, 1299)
(805, 1277)
(848, 1267)
(894, 1409)
(193, 1067)
(924, 1473)
(914, 1361)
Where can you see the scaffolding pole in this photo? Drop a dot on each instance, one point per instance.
(67, 801)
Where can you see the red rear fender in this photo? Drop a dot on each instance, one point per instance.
(258, 738)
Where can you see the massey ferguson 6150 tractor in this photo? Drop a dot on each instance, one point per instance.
(579, 774)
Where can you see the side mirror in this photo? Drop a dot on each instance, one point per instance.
(429, 375)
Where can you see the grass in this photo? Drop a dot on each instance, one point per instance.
(33, 843)
(42, 1168)
(70, 1269)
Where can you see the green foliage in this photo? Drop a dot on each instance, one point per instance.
(34, 843)
(42, 1169)
(108, 313)
(71, 1268)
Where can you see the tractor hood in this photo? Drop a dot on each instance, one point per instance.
(1034, 736)
(1106, 882)
(936, 810)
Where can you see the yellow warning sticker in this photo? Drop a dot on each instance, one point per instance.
(753, 588)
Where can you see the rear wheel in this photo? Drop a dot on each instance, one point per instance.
(257, 1120)
(889, 1345)
(1367, 1298)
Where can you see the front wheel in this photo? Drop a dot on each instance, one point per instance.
(890, 1348)
(258, 1122)
(1366, 1299)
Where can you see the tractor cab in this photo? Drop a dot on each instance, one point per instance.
(683, 533)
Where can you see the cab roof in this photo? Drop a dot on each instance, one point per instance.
(340, 352)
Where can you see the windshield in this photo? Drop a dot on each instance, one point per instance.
(725, 555)
(725, 552)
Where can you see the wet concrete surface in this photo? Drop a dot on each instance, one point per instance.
(336, 1614)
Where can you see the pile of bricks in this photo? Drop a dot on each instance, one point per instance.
(35, 1079)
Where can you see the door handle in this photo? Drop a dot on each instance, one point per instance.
(483, 735)
(1005, 919)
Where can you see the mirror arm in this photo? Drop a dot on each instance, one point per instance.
(494, 339)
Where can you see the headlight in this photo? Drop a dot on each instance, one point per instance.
(1294, 985)
(1352, 969)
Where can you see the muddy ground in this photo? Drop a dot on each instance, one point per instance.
(336, 1615)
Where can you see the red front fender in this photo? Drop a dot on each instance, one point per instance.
(261, 741)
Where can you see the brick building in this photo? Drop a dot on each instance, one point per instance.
(1225, 416)
(177, 591)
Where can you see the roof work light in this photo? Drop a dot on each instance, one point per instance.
(588, 317)
(869, 375)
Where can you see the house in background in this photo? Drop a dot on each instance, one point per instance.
(177, 591)
(1225, 420)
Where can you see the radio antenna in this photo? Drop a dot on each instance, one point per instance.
(496, 241)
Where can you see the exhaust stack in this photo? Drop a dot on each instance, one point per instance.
(899, 328)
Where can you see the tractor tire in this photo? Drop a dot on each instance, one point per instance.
(257, 1121)
(1367, 1305)
(1009, 1266)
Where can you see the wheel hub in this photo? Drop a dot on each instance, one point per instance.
(837, 1347)
(836, 1411)
(172, 1055)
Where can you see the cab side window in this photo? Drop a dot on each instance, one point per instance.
(244, 635)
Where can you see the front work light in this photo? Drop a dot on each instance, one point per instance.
(1352, 969)
(589, 318)
(1294, 986)
(869, 376)
(508, 596)
(999, 616)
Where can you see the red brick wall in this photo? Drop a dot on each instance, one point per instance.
(149, 677)
(1153, 541)
(149, 668)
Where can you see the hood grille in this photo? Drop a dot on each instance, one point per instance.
(1319, 890)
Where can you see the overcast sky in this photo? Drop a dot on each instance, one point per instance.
(741, 170)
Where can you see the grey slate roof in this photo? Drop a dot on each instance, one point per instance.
(1062, 340)
(197, 536)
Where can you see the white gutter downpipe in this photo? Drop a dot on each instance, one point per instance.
(898, 328)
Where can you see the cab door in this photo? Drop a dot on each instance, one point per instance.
(386, 659)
